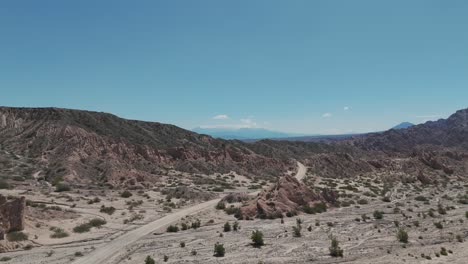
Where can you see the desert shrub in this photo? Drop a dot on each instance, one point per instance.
(149, 260)
(402, 235)
(257, 238)
(172, 229)
(62, 187)
(193, 252)
(107, 210)
(441, 210)
(196, 224)
(232, 210)
(221, 205)
(59, 233)
(182, 244)
(184, 226)
(5, 259)
(297, 230)
(466, 214)
(126, 194)
(165, 258)
(219, 250)
(443, 251)
(17, 236)
(420, 198)
(78, 254)
(362, 201)
(335, 250)
(227, 227)
(82, 228)
(378, 214)
(97, 222)
(438, 225)
(235, 226)
(459, 238)
(4, 185)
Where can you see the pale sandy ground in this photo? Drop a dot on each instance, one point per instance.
(362, 242)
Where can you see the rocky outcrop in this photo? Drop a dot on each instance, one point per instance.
(11, 214)
(287, 196)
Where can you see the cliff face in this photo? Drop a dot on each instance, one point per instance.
(87, 146)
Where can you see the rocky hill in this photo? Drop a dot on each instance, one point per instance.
(85, 146)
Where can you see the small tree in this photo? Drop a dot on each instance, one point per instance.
(227, 227)
(149, 260)
(335, 250)
(402, 235)
(219, 250)
(257, 238)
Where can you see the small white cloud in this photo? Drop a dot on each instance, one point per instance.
(221, 117)
(346, 108)
(326, 115)
(248, 122)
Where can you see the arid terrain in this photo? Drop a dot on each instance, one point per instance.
(100, 189)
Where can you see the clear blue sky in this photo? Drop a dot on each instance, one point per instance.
(286, 65)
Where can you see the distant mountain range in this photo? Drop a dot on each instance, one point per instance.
(253, 134)
(90, 147)
(403, 125)
(244, 133)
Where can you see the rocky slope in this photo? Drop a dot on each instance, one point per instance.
(85, 146)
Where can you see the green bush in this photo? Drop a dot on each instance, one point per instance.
(219, 250)
(82, 228)
(257, 238)
(335, 250)
(227, 227)
(378, 214)
(62, 187)
(297, 230)
(221, 205)
(438, 225)
(5, 259)
(149, 260)
(235, 226)
(107, 210)
(172, 229)
(59, 233)
(402, 235)
(17, 236)
(126, 194)
(97, 222)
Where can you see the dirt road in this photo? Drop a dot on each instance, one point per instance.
(106, 253)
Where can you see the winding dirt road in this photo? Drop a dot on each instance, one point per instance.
(107, 253)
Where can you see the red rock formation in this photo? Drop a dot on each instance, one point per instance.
(287, 196)
(11, 214)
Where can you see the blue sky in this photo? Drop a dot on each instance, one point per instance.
(295, 66)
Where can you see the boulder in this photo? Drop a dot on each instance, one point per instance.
(11, 214)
